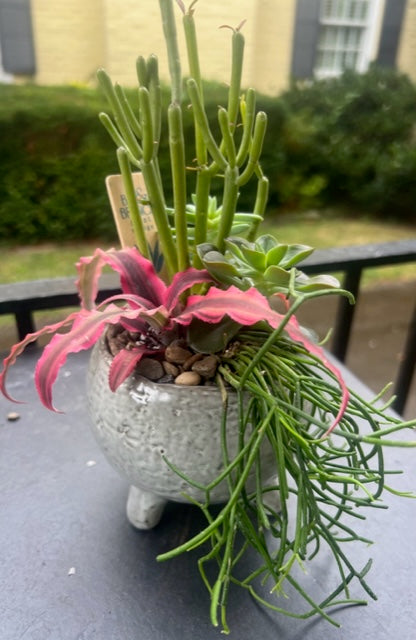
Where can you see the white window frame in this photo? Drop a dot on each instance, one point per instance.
(370, 30)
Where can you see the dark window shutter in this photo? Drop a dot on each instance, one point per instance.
(306, 38)
(16, 37)
(390, 32)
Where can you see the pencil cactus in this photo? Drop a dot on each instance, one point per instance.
(236, 161)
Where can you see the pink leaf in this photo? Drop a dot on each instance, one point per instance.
(18, 348)
(183, 281)
(123, 364)
(137, 275)
(85, 331)
(245, 307)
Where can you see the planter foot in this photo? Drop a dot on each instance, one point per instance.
(144, 508)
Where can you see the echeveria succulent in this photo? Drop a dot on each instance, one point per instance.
(265, 264)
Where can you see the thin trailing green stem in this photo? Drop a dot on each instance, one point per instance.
(322, 474)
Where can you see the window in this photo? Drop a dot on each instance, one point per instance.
(346, 35)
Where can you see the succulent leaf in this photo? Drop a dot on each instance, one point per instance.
(266, 242)
(206, 338)
(275, 255)
(294, 254)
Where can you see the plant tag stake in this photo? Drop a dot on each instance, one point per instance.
(119, 206)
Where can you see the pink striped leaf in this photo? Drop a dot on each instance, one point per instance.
(137, 275)
(123, 363)
(85, 331)
(245, 307)
(183, 281)
(19, 347)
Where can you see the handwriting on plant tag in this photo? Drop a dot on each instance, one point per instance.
(119, 206)
(118, 201)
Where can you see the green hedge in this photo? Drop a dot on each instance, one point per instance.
(349, 141)
(54, 157)
(352, 140)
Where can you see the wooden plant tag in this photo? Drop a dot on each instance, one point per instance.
(119, 206)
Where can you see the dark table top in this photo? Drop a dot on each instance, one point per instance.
(72, 568)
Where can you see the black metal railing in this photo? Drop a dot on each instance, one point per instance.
(23, 298)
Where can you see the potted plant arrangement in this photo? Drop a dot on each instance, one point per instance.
(202, 385)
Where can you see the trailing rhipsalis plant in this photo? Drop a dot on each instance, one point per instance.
(229, 292)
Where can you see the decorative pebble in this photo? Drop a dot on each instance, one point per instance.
(170, 369)
(206, 367)
(150, 368)
(13, 416)
(176, 354)
(190, 378)
(187, 365)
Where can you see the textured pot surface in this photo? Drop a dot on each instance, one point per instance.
(143, 422)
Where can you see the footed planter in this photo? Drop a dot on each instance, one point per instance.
(143, 424)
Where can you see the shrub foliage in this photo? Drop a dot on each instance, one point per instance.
(348, 141)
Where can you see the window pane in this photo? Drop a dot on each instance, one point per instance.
(356, 10)
(342, 35)
(353, 37)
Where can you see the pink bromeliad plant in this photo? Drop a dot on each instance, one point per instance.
(152, 310)
(227, 291)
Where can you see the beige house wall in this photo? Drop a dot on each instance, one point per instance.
(273, 31)
(133, 27)
(83, 35)
(69, 40)
(75, 38)
(406, 59)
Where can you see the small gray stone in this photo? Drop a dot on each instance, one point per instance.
(206, 367)
(150, 368)
(170, 368)
(187, 365)
(190, 378)
(177, 354)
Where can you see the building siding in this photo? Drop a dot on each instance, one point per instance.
(406, 58)
(69, 40)
(72, 42)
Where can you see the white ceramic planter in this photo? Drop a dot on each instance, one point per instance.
(143, 422)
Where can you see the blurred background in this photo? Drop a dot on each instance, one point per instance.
(336, 77)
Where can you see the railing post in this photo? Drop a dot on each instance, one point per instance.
(345, 314)
(24, 322)
(407, 367)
